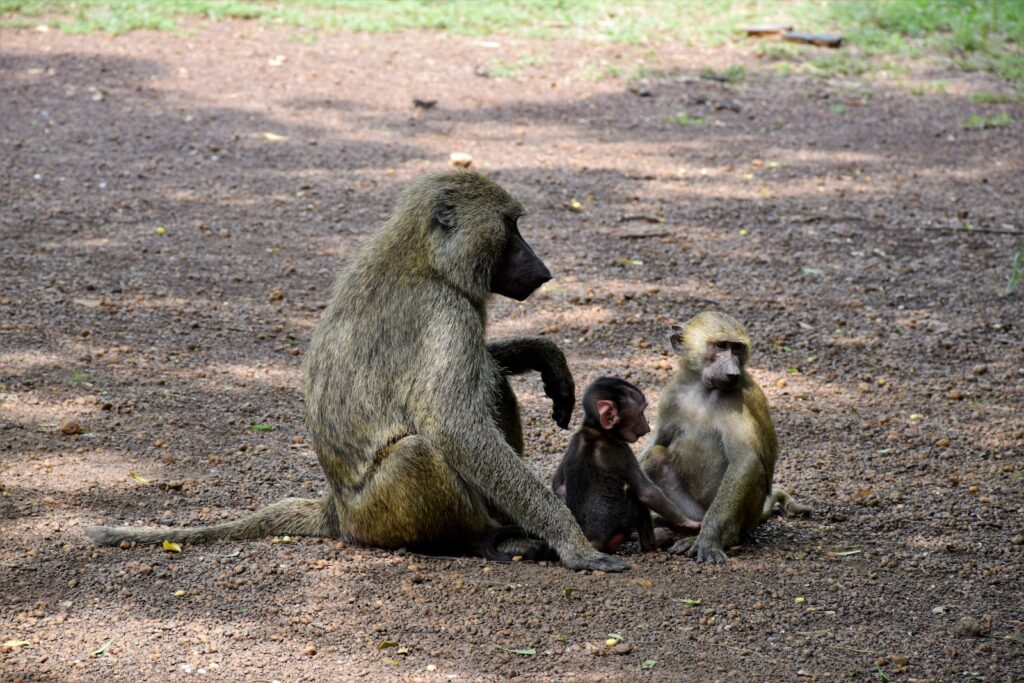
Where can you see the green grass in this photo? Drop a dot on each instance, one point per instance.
(500, 68)
(732, 74)
(1015, 277)
(974, 34)
(986, 97)
(80, 377)
(684, 119)
(977, 122)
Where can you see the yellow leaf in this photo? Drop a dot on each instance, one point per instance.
(138, 478)
(161, 230)
(274, 137)
(173, 547)
(179, 594)
(11, 644)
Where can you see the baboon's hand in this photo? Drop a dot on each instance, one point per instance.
(558, 384)
(563, 400)
(595, 561)
(701, 549)
(562, 411)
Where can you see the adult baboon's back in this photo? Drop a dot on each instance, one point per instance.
(409, 410)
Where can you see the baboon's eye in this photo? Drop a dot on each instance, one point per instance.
(722, 345)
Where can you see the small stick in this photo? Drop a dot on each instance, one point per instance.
(650, 218)
(772, 30)
(642, 235)
(959, 228)
(821, 39)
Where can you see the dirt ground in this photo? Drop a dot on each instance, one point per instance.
(174, 207)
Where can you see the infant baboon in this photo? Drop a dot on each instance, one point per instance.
(600, 479)
(714, 451)
(409, 409)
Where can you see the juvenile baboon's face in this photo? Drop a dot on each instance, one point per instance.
(477, 238)
(723, 364)
(616, 406)
(715, 346)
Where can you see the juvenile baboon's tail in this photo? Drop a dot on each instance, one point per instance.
(292, 516)
(788, 503)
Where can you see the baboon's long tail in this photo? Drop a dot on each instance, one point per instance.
(788, 503)
(292, 516)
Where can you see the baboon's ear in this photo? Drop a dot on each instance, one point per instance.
(676, 339)
(444, 210)
(608, 413)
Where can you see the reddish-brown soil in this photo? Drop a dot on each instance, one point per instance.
(164, 261)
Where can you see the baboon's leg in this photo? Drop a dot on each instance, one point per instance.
(644, 527)
(413, 498)
(658, 466)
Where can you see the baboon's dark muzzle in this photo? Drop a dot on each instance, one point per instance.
(519, 272)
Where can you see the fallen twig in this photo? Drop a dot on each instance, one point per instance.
(642, 235)
(820, 39)
(772, 30)
(650, 218)
(960, 228)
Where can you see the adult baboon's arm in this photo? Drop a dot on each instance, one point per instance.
(455, 398)
(526, 354)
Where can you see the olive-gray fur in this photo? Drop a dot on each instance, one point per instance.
(408, 408)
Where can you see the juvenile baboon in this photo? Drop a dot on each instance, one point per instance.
(715, 448)
(600, 479)
(409, 409)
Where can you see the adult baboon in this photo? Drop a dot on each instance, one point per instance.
(408, 407)
(714, 450)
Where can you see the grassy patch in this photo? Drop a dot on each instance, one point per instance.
(986, 97)
(929, 88)
(1015, 276)
(684, 119)
(977, 122)
(732, 74)
(500, 68)
(81, 377)
(975, 34)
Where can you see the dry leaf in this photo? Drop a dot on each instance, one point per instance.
(274, 137)
(172, 547)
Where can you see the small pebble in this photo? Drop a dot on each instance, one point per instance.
(309, 650)
(460, 159)
(971, 627)
(70, 427)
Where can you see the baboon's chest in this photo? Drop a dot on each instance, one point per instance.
(698, 448)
